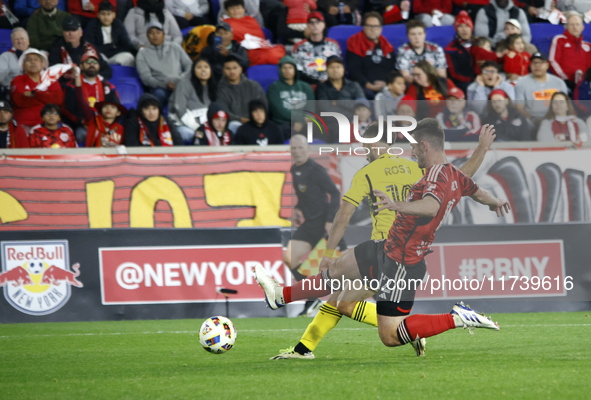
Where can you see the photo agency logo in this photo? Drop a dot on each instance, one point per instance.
(392, 128)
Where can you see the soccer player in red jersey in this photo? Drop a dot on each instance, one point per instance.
(400, 258)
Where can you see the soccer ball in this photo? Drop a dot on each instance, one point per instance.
(217, 335)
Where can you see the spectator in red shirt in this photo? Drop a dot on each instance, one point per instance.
(103, 130)
(12, 135)
(433, 12)
(429, 87)
(570, 55)
(481, 53)
(51, 133)
(28, 101)
(516, 61)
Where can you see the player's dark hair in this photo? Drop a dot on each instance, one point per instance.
(414, 23)
(372, 14)
(232, 3)
(429, 130)
(373, 130)
(392, 75)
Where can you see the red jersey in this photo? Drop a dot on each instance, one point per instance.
(411, 236)
(518, 64)
(61, 137)
(27, 110)
(568, 55)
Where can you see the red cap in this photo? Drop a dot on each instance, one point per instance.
(498, 91)
(90, 52)
(463, 18)
(317, 15)
(409, 101)
(220, 114)
(457, 93)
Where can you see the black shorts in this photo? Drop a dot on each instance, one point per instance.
(312, 233)
(398, 282)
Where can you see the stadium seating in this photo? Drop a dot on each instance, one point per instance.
(120, 72)
(395, 34)
(268, 35)
(441, 35)
(215, 7)
(264, 74)
(341, 33)
(5, 42)
(129, 89)
(186, 30)
(542, 35)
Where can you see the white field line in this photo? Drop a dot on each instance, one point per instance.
(248, 330)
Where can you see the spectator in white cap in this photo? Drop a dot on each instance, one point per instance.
(26, 98)
(9, 67)
(512, 26)
(490, 20)
(160, 64)
(139, 18)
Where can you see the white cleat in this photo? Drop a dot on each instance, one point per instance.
(419, 344)
(287, 354)
(473, 319)
(273, 291)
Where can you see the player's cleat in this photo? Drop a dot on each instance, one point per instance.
(310, 308)
(273, 291)
(473, 319)
(419, 344)
(290, 353)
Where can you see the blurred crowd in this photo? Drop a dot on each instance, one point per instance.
(71, 63)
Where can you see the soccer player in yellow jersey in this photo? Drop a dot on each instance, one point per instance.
(392, 175)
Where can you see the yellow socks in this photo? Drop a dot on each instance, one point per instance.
(365, 312)
(326, 319)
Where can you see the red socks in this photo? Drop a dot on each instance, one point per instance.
(309, 288)
(424, 326)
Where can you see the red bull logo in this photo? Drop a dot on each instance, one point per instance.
(36, 276)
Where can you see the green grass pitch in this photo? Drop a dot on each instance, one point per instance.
(534, 356)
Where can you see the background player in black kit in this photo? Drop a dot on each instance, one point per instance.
(318, 202)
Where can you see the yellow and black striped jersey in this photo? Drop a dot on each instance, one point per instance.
(392, 175)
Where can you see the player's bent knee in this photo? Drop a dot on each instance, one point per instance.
(346, 307)
(388, 340)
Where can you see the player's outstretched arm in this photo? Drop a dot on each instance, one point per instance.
(500, 206)
(485, 141)
(426, 207)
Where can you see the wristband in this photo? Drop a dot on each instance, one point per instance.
(330, 253)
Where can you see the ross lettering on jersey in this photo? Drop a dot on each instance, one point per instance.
(399, 169)
(454, 186)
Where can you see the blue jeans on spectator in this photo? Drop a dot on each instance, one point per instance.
(162, 95)
(186, 133)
